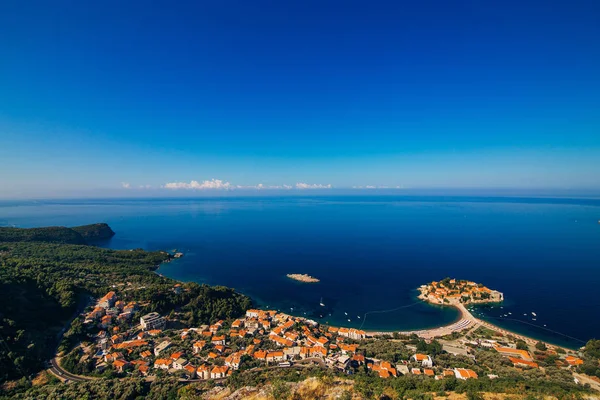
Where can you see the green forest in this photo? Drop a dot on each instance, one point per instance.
(44, 283)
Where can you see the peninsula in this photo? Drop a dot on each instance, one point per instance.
(303, 278)
(453, 291)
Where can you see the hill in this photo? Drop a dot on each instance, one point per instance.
(84, 234)
(42, 285)
(94, 232)
(50, 234)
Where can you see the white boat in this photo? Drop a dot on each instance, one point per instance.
(533, 319)
(321, 303)
(346, 313)
(534, 314)
(348, 319)
(509, 313)
(358, 316)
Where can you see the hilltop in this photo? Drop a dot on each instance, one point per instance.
(82, 235)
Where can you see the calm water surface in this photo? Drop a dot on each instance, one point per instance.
(370, 253)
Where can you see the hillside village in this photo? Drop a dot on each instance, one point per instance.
(126, 340)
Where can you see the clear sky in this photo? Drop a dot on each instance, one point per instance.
(104, 97)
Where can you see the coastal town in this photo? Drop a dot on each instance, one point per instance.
(125, 339)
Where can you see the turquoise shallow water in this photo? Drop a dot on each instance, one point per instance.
(370, 253)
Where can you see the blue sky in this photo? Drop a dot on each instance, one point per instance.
(430, 94)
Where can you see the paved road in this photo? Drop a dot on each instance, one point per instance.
(55, 368)
(62, 374)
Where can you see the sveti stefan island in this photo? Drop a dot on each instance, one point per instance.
(300, 200)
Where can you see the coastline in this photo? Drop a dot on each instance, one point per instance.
(465, 321)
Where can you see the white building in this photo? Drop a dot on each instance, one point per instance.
(152, 321)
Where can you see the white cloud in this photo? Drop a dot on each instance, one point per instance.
(125, 185)
(261, 186)
(212, 184)
(313, 186)
(219, 184)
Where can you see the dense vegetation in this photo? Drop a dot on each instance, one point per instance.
(57, 234)
(42, 285)
(94, 232)
(591, 359)
(51, 234)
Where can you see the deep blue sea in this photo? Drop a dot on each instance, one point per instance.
(370, 253)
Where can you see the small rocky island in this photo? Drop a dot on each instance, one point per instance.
(453, 291)
(303, 278)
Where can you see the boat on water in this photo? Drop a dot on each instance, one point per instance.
(534, 314)
(348, 319)
(321, 303)
(346, 313)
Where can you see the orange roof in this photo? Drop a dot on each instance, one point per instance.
(190, 368)
(421, 357)
(383, 373)
(176, 355)
(333, 329)
(428, 372)
(145, 353)
(162, 361)
(349, 347)
(416, 371)
(275, 354)
(448, 372)
(320, 350)
(521, 353)
(143, 368)
(573, 360)
(130, 343)
(120, 363)
(518, 361)
(218, 338)
(467, 373)
(260, 354)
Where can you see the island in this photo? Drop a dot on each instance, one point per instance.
(303, 278)
(454, 291)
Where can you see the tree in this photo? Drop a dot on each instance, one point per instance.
(521, 345)
(541, 346)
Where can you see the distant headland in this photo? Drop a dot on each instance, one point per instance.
(303, 278)
(82, 235)
(453, 291)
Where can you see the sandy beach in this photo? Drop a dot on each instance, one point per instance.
(466, 321)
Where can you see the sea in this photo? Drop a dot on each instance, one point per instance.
(370, 253)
